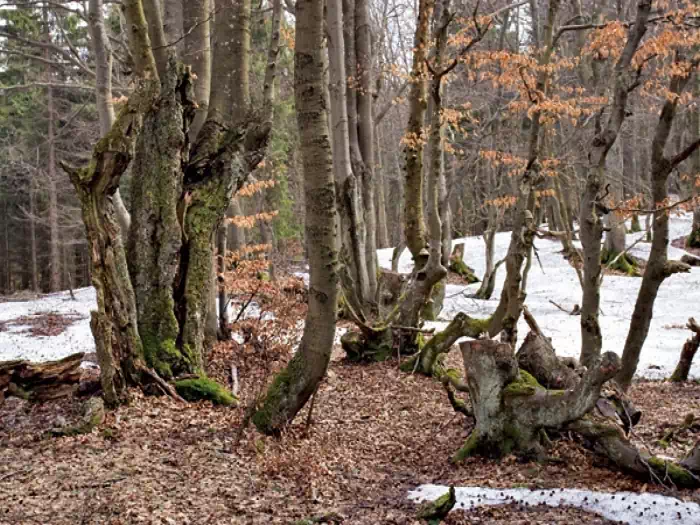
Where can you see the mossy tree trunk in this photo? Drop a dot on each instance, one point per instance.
(414, 139)
(292, 387)
(115, 323)
(152, 314)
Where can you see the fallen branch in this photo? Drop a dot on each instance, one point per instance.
(576, 310)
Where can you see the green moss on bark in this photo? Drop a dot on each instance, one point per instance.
(277, 397)
(525, 385)
(624, 263)
(680, 476)
(200, 388)
(463, 270)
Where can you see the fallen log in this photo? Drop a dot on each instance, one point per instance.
(608, 440)
(41, 381)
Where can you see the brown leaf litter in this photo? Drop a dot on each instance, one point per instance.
(376, 433)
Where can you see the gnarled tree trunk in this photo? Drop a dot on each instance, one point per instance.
(511, 408)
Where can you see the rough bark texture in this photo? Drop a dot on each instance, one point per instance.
(40, 381)
(537, 356)
(511, 407)
(690, 348)
(295, 384)
(114, 324)
(156, 236)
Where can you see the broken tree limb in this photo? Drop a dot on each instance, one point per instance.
(690, 347)
(575, 311)
(441, 343)
(41, 381)
(537, 356)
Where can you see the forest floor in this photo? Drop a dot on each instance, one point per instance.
(375, 434)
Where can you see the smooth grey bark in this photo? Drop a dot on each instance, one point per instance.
(197, 54)
(292, 387)
(173, 23)
(355, 276)
(592, 210)
(365, 128)
(658, 266)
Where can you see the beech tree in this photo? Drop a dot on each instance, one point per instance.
(152, 306)
(293, 386)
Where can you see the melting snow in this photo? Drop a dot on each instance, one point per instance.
(626, 507)
(556, 281)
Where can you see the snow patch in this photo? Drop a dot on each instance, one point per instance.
(626, 507)
(555, 280)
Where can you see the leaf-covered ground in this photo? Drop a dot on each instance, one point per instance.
(375, 434)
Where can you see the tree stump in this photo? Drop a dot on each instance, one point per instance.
(511, 408)
(690, 347)
(458, 266)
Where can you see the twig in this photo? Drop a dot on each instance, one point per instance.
(576, 310)
(234, 380)
(311, 410)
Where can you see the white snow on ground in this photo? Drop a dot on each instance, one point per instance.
(556, 280)
(17, 344)
(626, 507)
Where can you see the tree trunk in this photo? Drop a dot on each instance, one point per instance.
(658, 266)
(414, 139)
(32, 240)
(592, 210)
(103, 90)
(382, 229)
(54, 241)
(197, 54)
(114, 324)
(693, 240)
(299, 380)
(365, 128)
(355, 277)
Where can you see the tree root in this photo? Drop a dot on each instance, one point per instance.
(608, 440)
